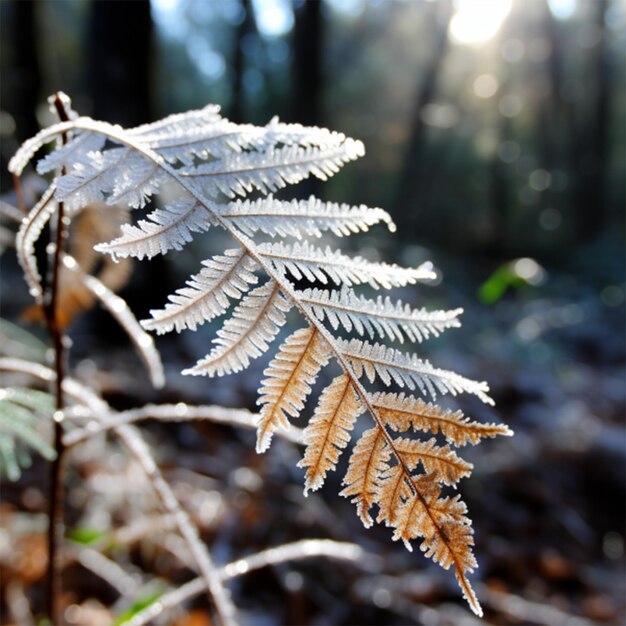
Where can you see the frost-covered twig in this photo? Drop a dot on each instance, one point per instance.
(211, 579)
(297, 550)
(144, 344)
(177, 413)
(107, 570)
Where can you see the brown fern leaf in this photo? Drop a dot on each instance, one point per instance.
(447, 537)
(89, 226)
(328, 432)
(289, 378)
(441, 462)
(392, 490)
(366, 467)
(402, 412)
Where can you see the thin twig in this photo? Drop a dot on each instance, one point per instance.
(176, 413)
(210, 578)
(55, 487)
(80, 393)
(118, 308)
(107, 570)
(297, 550)
(19, 193)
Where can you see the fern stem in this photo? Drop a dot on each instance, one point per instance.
(55, 485)
(19, 193)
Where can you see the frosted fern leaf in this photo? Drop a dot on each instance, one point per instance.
(377, 361)
(254, 324)
(394, 476)
(207, 294)
(303, 260)
(170, 228)
(379, 317)
(294, 218)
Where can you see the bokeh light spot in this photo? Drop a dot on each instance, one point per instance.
(550, 219)
(477, 21)
(486, 86)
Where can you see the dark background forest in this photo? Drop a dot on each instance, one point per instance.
(495, 137)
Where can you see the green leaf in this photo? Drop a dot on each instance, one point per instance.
(86, 534)
(137, 606)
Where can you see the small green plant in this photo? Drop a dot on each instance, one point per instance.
(222, 175)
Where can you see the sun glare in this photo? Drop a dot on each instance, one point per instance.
(477, 21)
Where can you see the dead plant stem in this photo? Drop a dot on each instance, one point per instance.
(55, 486)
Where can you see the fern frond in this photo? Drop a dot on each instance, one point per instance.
(82, 143)
(445, 539)
(37, 401)
(240, 174)
(328, 432)
(406, 370)
(367, 464)
(163, 230)
(314, 264)
(289, 378)
(27, 150)
(246, 335)
(441, 462)
(297, 218)
(207, 294)
(402, 412)
(178, 123)
(113, 176)
(277, 132)
(392, 489)
(208, 157)
(380, 317)
(203, 134)
(19, 424)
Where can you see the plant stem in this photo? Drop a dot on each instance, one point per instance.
(55, 486)
(19, 193)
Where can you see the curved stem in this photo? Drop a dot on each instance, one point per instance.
(211, 580)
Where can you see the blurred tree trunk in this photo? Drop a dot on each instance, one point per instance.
(119, 82)
(119, 75)
(22, 89)
(555, 130)
(307, 65)
(247, 26)
(591, 155)
(552, 118)
(415, 170)
(498, 242)
(307, 73)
